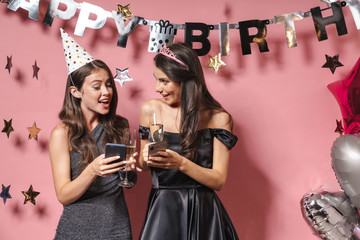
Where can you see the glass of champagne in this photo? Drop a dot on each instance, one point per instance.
(156, 126)
(129, 134)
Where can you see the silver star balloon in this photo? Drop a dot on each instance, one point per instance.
(122, 76)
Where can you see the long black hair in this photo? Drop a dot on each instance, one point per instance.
(194, 92)
(71, 115)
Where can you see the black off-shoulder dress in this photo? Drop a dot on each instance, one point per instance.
(179, 208)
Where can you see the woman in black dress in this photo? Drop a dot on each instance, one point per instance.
(182, 203)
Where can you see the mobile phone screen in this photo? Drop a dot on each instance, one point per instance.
(160, 146)
(115, 149)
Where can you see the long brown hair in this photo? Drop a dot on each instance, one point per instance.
(194, 92)
(71, 115)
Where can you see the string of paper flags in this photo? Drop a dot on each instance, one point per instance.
(162, 32)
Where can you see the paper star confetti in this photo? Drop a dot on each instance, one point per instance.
(35, 70)
(9, 63)
(5, 193)
(339, 128)
(33, 131)
(122, 76)
(332, 63)
(8, 128)
(125, 11)
(30, 195)
(216, 62)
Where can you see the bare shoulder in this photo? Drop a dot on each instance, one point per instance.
(219, 119)
(150, 105)
(146, 108)
(59, 132)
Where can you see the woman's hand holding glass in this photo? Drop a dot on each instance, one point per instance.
(156, 126)
(130, 135)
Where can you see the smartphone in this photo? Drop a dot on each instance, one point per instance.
(156, 147)
(115, 149)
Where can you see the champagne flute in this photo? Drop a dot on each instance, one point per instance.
(129, 134)
(156, 126)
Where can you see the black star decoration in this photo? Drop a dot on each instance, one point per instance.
(35, 70)
(332, 62)
(5, 193)
(9, 63)
(8, 128)
(30, 195)
(339, 128)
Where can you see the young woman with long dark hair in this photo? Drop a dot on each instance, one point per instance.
(182, 202)
(86, 182)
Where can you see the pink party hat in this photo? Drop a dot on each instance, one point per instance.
(75, 55)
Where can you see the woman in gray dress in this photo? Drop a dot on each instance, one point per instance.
(86, 182)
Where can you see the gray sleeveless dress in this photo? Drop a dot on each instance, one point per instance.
(101, 213)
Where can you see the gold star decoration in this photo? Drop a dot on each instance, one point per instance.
(125, 11)
(33, 131)
(339, 128)
(332, 63)
(216, 62)
(30, 195)
(8, 128)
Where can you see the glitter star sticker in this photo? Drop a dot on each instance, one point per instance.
(125, 11)
(339, 128)
(122, 76)
(35, 70)
(8, 128)
(216, 62)
(30, 195)
(9, 63)
(33, 131)
(5, 193)
(332, 63)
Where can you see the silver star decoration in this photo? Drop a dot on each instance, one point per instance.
(35, 70)
(122, 76)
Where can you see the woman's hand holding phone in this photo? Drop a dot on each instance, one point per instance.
(103, 167)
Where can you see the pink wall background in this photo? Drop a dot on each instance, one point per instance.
(284, 114)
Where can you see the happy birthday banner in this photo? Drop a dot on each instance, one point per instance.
(163, 32)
